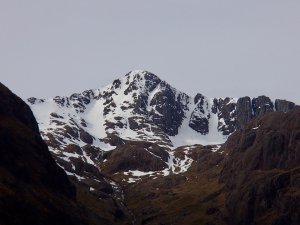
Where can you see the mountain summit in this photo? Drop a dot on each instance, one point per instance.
(140, 107)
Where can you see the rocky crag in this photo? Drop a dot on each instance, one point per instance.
(33, 188)
(139, 107)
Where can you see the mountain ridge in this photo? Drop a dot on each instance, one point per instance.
(146, 85)
(140, 107)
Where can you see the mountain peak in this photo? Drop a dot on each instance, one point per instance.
(135, 82)
(139, 75)
(138, 72)
(139, 107)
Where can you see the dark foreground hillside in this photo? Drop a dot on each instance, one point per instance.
(33, 189)
(262, 172)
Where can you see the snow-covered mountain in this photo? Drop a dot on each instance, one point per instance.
(139, 107)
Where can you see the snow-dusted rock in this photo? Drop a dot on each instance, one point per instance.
(137, 107)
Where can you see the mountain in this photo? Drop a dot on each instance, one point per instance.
(140, 107)
(141, 175)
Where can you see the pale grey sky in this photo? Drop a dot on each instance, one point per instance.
(215, 47)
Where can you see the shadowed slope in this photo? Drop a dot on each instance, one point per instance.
(33, 189)
(262, 172)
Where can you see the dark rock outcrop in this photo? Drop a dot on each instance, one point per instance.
(243, 111)
(262, 170)
(170, 110)
(262, 105)
(199, 120)
(86, 137)
(283, 105)
(142, 156)
(226, 109)
(34, 190)
(234, 115)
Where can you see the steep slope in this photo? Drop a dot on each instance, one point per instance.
(193, 196)
(33, 189)
(138, 107)
(253, 179)
(262, 172)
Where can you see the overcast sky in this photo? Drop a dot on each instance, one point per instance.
(215, 47)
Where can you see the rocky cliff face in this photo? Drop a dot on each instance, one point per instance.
(262, 171)
(253, 179)
(34, 190)
(234, 114)
(244, 111)
(283, 105)
(262, 105)
(199, 120)
(138, 107)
